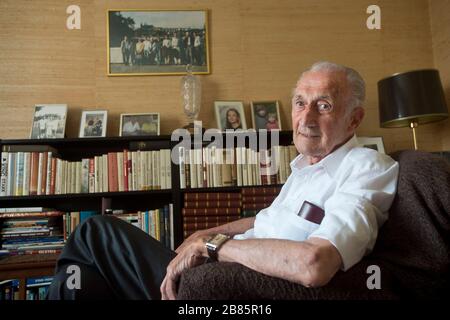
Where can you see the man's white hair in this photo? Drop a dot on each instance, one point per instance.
(355, 81)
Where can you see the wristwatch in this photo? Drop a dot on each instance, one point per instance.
(214, 243)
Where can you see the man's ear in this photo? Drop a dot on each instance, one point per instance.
(356, 118)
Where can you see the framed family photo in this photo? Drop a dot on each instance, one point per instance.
(157, 42)
(375, 143)
(139, 124)
(230, 115)
(266, 115)
(93, 124)
(49, 121)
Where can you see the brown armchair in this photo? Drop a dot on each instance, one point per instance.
(412, 250)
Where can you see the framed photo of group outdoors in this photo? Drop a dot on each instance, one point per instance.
(49, 121)
(152, 42)
(375, 143)
(93, 124)
(139, 124)
(230, 115)
(266, 115)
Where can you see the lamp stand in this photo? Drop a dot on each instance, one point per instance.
(413, 126)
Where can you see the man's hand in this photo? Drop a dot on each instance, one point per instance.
(190, 254)
(201, 234)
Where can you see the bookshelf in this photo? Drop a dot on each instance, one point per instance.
(74, 149)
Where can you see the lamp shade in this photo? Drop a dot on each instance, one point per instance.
(414, 96)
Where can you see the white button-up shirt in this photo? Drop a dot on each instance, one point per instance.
(354, 186)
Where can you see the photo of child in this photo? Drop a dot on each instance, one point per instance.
(266, 115)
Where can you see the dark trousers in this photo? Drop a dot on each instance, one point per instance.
(116, 260)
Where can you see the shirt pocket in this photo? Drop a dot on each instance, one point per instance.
(295, 228)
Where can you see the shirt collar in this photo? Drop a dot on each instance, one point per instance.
(330, 163)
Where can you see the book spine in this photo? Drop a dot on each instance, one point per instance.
(78, 167)
(213, 204)
(130, 171)
(119, 164)
(19, 174)
(53, 175)
(261, 191)
(197, 196)
(11, 173)
(105, 173)
(210, 211)
(26, 173)
(91, 175)
(58, 176)
(44, 172)
(125, 170)
(4, 174)
(182, 168)
(206, 225)
(48, 173)
(96, 175)
(39, 177)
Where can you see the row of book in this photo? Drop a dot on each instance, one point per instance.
(39, 170)
(204, 210)
(36, 230)
(240, 166)
(36, 288)
(158, 223)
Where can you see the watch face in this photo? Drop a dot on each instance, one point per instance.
(218, 239)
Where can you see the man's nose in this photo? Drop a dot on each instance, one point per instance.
(309, 115)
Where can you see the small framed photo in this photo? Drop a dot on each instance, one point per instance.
(139, 124)
(49, 121)
(93, 124)
(266, 115)
(230, 115)
(375, 143)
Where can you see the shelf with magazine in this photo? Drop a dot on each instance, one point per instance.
(50, 186)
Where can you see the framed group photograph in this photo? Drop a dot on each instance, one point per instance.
(139, 124)
(375, 143)
(49, 121)
(157, 42)
(266, 115)
(230, 115)
(93, 124)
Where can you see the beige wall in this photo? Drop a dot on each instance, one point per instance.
(257, 50)
(440, 34)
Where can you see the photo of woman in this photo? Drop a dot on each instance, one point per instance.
(230, 115)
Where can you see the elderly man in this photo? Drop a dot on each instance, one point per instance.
(354, 187)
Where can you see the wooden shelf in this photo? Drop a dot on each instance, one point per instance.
(22, 267)
(73, 196)
(228, 189)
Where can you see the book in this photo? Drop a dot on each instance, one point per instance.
(210, 211)
(212, 203)
(4, 174)
(260, 191)
(212, 196)
(25, 209)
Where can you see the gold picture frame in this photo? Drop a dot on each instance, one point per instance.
(157, 42)
(266, 115)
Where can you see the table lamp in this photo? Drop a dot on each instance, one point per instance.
(411, 98)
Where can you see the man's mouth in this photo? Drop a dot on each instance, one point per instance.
(308, 135)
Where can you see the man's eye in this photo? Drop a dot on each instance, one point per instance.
(324, 107)
(299, 103)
